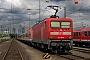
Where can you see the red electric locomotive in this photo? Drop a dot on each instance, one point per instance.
(54, 34)
(82, 37)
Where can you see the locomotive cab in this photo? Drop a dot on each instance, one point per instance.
(60, 33)
(60, 30)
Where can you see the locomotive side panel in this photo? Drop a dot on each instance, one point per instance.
(40, 32)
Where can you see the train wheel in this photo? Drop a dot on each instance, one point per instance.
(46, 47)
(67, 51)
(75, 45)
(89, 45)
(86, 45)
(54, 51)
(42, 46)
(80, 45)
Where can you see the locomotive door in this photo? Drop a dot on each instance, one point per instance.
(89, 35)
(84, 35)
(41, 33)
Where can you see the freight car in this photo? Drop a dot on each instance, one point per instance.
(81, 37)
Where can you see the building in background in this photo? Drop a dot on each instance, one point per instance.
(6, 32)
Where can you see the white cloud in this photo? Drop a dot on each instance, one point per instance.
(0, 1)
(76, 14)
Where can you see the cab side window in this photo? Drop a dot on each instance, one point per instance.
(84, 33)
(88, 33)
(77, 34)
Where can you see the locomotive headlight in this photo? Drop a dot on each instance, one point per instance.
(66, 33)
(54, 33)
(51, 37)
(70, 37)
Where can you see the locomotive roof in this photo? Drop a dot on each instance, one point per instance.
(86, 29)
(82, 29)
(50, 19)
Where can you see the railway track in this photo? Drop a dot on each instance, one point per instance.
(70, 57)
(74, 57)
(82, 50)
(13, 52)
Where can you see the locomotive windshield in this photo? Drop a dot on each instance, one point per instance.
(55, 24)
(58, 24)
(65, 24)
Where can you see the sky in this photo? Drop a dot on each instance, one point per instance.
(14, 13)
